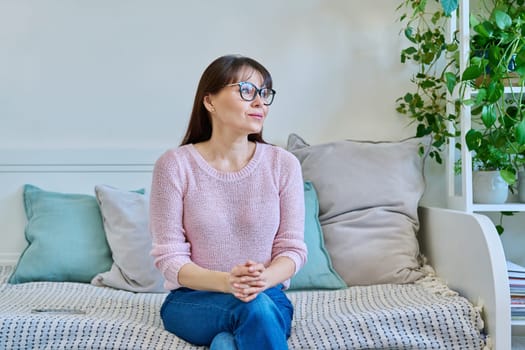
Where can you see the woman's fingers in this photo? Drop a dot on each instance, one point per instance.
(254, 267)
(249, 268)
(247, 294)
(246, 280)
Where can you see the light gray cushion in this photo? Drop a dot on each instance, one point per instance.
(368, 197)
(125, 217)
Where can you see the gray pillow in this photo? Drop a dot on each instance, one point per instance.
(125, 217)
(368, 197)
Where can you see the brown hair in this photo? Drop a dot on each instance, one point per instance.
(222, 71)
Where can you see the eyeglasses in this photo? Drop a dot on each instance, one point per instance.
(249, 91)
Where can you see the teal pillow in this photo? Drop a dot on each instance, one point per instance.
(318, 272)
(66, 238)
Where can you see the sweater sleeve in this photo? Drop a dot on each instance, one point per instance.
(289, 240)
(170, 248)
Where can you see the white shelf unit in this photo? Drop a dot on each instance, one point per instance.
(460, 196)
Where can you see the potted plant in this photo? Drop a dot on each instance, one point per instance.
(497, 59)
(496, 62)
(495, 72)
(493, 166)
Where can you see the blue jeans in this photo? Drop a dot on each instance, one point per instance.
(198, 316)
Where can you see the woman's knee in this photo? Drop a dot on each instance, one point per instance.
(165, 313)
(223, 341)
(262, 310)
(174, 310)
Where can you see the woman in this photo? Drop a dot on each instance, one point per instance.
(227, 217)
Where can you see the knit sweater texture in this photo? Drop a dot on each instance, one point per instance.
(220, 219)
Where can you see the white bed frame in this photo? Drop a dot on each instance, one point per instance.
(464, 249)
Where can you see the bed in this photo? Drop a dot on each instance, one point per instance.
(461, 301)
(380, 316)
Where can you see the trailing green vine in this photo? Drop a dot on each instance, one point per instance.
(437, 74)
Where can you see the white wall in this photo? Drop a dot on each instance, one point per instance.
(75, 73)
(122, 73)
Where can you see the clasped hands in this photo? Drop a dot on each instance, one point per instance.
(247, 280)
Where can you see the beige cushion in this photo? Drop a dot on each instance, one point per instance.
(125, 215)
(368, 198)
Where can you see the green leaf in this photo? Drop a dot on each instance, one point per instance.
(435, 17)
(425, 84)
(507, 122)
(484, 29)
(494, 55)
(494, 91)
(503, 20)
(477, 110)
(451, 81)
(452, 47)
(520, 58)
(408, 34)
(476, 61)
(422, 130)
(472, 72)
(422, 5)
(410, 50)
(482, 94)
(488, 116)
(473, 139)
(520, 132)
(449, 6)
(428, 58)
(438, 158)
(508, 176)
(500, 229)
(521, 71)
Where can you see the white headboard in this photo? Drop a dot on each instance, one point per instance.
(71, 171)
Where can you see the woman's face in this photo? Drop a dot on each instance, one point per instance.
(231, 113)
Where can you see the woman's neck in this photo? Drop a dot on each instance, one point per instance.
(226, 156)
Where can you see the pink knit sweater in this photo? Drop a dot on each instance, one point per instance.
(219, 219)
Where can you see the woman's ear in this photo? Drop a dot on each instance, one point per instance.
(208, 104)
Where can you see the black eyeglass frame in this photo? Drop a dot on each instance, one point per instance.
(257, 91)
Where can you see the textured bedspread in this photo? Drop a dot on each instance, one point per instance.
(415, 316)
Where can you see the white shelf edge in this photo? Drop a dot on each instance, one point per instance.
(498, 207)
(513, 89)
(506, 90)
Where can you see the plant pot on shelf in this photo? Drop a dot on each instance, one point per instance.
(488, 187)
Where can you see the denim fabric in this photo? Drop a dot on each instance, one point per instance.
(223, 341)
(198, 316)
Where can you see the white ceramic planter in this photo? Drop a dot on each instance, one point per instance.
(489, 187)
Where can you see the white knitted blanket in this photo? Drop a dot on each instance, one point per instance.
(424, 315)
